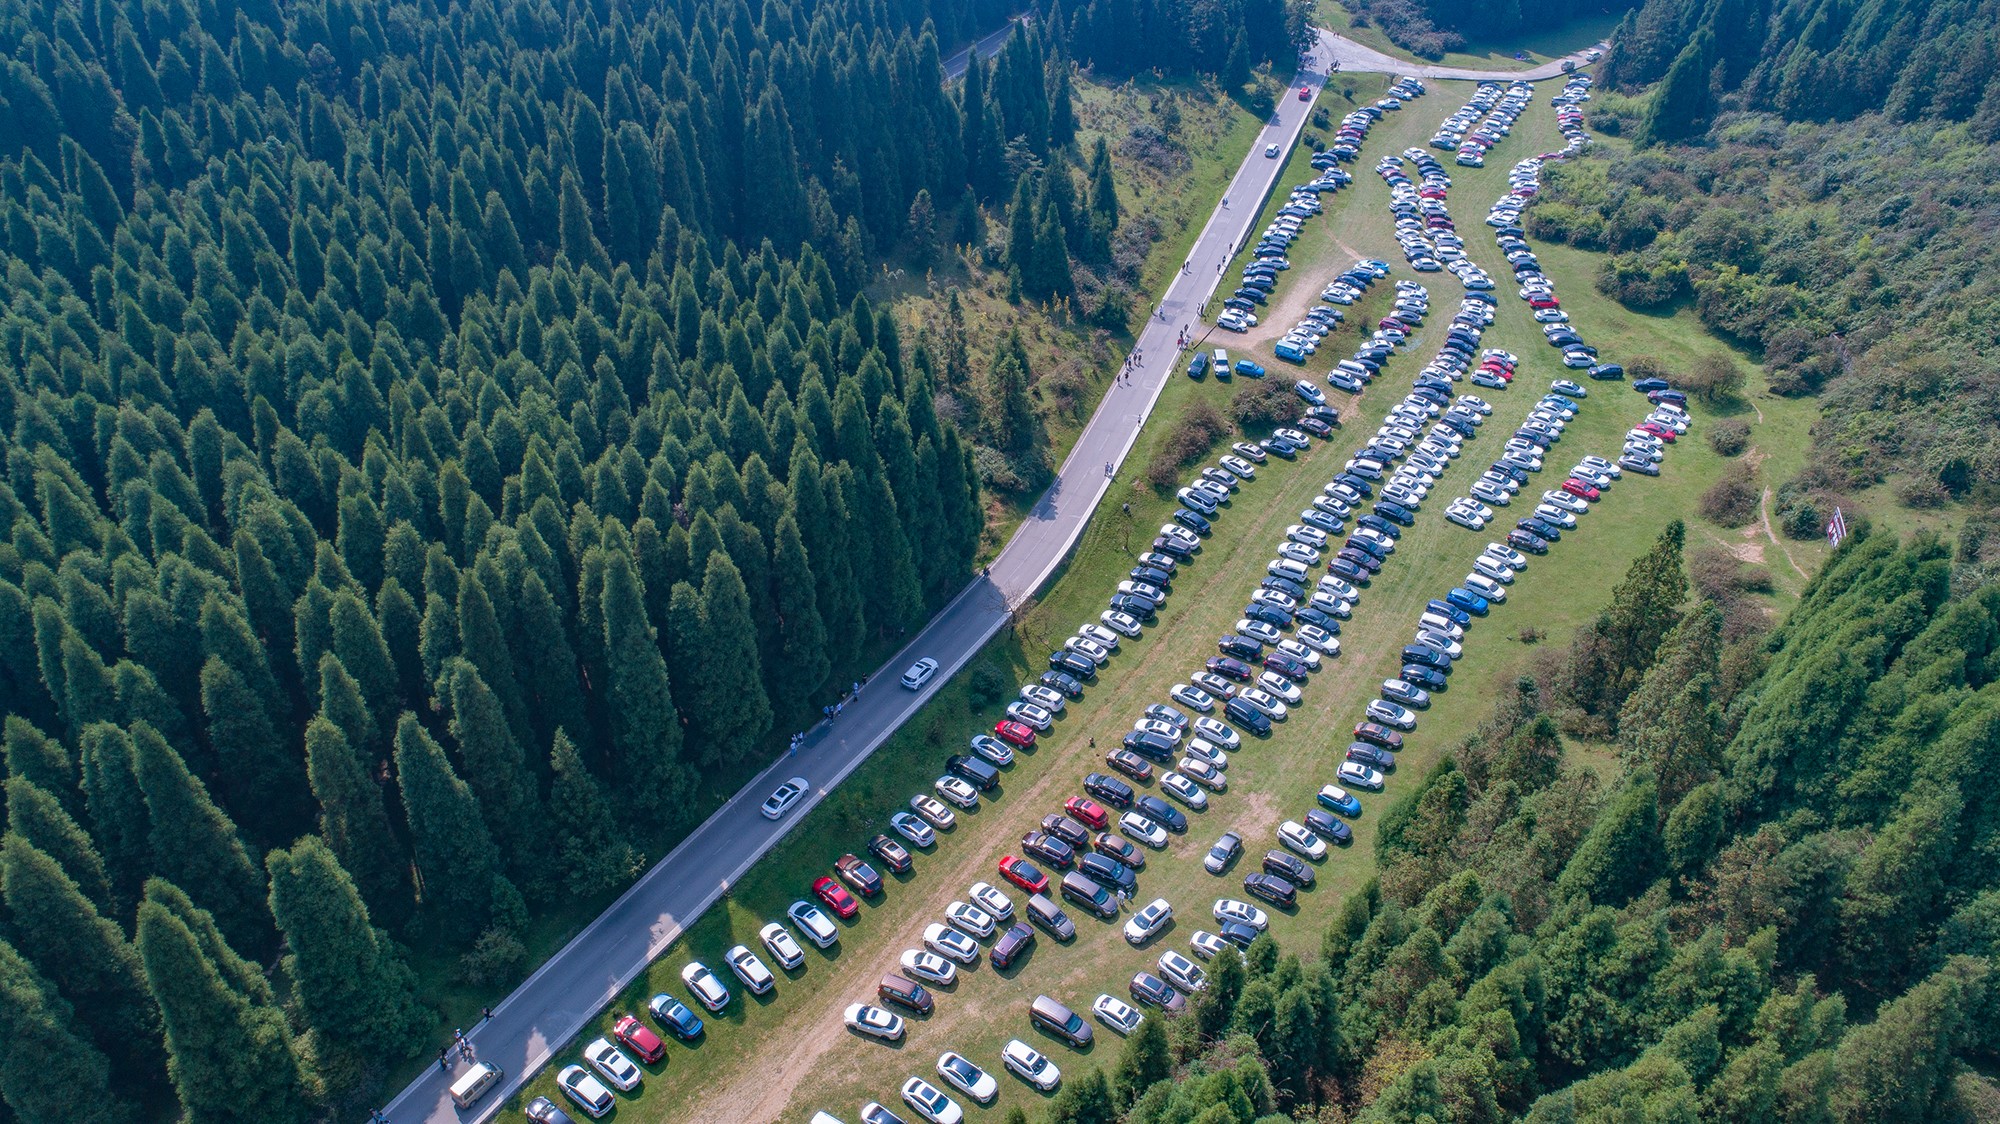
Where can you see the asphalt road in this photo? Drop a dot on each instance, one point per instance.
(568, 990)
(987, 46)
(1354, 56)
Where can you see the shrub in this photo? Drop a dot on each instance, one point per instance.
(1532, 635)
(1197, 431)
(495, 958)
(986, 685)
(1729, 436)
(1715, 377)
(1731, 502)
(1649, 367)
(1263, 402)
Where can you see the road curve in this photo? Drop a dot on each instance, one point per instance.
(1354, 56)
(548, 1009)
(987, 45)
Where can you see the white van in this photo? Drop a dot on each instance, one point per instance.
(1221, 363)
(473, 1083)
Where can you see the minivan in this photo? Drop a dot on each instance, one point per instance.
(1155, 746)
(1012, 945)
(1084, 891)
(904, 993)
(1054, 1018)
(1050, 916)
(474, 1083)
(1287, 569)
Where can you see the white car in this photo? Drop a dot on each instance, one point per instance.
(1221, 733)
(1028, 1064)
(1116, 1014)
(1360, 776)
(1183, 973)
(1166, 730)
(1184, 790)
(1147, 923)
(1506, 555)
(1048, 698)
(1486, 587)
(1494, 570)
(608, 1060)
(957, 791)
(1243, 913)
(1464, 518)
(1028, 714)
(929, 967)
(1206, 752)
(1122, 622)
(1207, 945)
(1089, 649)
(1193, 697)
(968, 918)
(1258, 631)
(994, 901)
(783, 946)
(1299, 552)
(1203, 772)
(1391, 714)
(1271, 151)
(1264, 701)
(813, 924)
(1297, 837)
(947, 941)
(784, 797)
(749, 969)
(1163, 713)
(704, 986)
(1434, 639)
(1242, 468)
(913, 829)
(1565, 501)
(960, 1072)
(1301, 651)
(873, 1022)
(581, 1086)
(1307, 536)
(1138, 827)
(1320, 639)
(920, 673)
(1281, 687)
(931, 1103)
(1099, 633)
(934, 813)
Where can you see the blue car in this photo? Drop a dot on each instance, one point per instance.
(1345, 803)
(1248, 369)
(1466, 599)
(674, 1015)
(1450, 612)
(1192, 521)
(1198, 366)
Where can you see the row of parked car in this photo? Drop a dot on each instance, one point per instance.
(1412, 303)
(1267, 260)
(1424, 228)
(1352, 131)
(1499, 122)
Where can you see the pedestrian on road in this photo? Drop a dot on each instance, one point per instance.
(857, 688)
(485, 1013)
(443, 1065)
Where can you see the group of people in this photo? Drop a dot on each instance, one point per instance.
(833, 711)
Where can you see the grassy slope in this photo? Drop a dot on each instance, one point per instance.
(758, 1056)
(1543, 44)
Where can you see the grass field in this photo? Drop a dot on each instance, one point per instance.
(1544, 43)
(783, 1057)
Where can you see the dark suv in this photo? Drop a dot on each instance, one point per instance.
(1012, 945)
(1111, 790)
(1272, 889)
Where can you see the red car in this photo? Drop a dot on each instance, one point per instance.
(1089, 811)
(1305, 93)
(836, 897)
(640, 1038)
(1659, 431)
(1542, 302)
(1580, 489)
(1022, 873)
(1017, 734)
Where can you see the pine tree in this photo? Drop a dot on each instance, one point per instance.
(734, 712)
(455, 858)
(922, 226)
(1672, 725)
(354, 822)
(1620, 856)
(242, 975)
(806, 662)
(645, 726)
(353, 986)
(85, 956)
(589, 854)
(1143, 1062)
(47, 1070)
(195, 845)
(493, 762)
(231, 1060)
(1682, 104)
(39, 819)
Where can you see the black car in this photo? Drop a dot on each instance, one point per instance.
(891, 853)
(1289, 666)
(1286, 586)
(1247, 716)
(1162, 813)
(1289, 867)
(1111, 790)
(1156, 747)
(1049, 849)
(859, 876)
(1064, 682)
(1153, 576)
(1242, 647)
(975, 772)
(1361, 487)
(1375, 733)
(1342, 568)
(1423, 675)
(1373, 756)
(1069, 663)
(1647, 386)
(1110, 872)
(1535, 525)
(1428, 656)
(1237, 933)
(1272, 889)
(1315, 426)
(1448, 611)
(1528, 541)
(1375, 547)
(1269, 614)
(1380, 524)
(1278, 446)
(1193, 522)
(1324, 824)
(1231, 667)
(1361, 558)
(1067, 830)
(1142, 608)
(1173, 548)
(1312, 616)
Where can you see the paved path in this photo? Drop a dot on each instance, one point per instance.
(1355, 56)
(568, 990)
(987, 46)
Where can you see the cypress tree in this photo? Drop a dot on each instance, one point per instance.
(454, 854)
(547, 663)
(590, 855)
(47, 1070)
(493, 762)
(354, 823)
(734, 711)
(645, 726)
(84, 955)
(39, 819)
(246, 977)
(116, 807)
(262, 780)
(195, 845)
(804, 632)
(352, 984)
(231, 1060)
(357, 641)
(483, 641)
(38, 757)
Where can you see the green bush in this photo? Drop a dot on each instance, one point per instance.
(1729, 436)
(986, 685)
